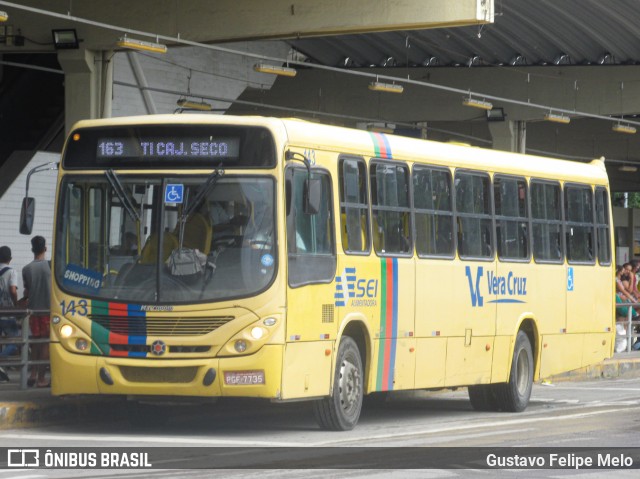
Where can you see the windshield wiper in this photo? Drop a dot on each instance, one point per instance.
(204, 191)
(191, 206)
(124, 198)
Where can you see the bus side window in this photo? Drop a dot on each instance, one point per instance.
(390, 208)
(310, 237)
(546, 217)
(354, 205)
(473, 209)
(433, 211)
(510, 198)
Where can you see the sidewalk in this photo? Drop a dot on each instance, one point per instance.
(35, 406)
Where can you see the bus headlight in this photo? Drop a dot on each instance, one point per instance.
(240, 345)
(251, 338)
(257, 332)
(82, 344)
(66, 331)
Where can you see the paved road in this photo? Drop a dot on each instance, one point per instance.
(604, 413)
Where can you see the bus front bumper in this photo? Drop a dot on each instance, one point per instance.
(256, 375)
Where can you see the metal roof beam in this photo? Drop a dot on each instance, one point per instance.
(229, 20)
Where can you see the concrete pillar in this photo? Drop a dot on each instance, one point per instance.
(509, 135)
(88, 83)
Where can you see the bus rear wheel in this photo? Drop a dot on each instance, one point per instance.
(514, 395)
(341, 410)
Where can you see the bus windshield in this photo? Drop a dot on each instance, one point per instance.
(165, 239)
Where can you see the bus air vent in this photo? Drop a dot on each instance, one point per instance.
(158, 326)
(136, 374)
(327, 313)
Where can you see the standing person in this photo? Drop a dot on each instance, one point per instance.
(36, 277)
(8, 299)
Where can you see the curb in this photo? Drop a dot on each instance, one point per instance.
(16, 414)
(608, 369)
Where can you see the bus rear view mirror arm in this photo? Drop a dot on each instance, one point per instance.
(312, 187)
(28, 209)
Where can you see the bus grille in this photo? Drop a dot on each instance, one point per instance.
(150, 326)
(158, 375)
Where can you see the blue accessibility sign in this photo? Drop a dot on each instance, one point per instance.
(174, 193)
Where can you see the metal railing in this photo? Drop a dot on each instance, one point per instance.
(22, 342)
(629, 324)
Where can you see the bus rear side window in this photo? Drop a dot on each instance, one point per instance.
(578, 203)
(602, 225)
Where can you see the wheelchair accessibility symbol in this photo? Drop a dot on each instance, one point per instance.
(570, 283)
(174, 193)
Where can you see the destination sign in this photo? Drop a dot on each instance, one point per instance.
(168, 147)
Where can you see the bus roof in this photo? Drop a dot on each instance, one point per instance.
(313, 135)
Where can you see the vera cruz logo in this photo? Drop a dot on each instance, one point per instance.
(508, 289)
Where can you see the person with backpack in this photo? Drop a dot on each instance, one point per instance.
(8, 299)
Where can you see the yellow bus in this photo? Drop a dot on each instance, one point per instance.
(221, 256)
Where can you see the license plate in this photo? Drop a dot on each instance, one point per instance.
(237, 378)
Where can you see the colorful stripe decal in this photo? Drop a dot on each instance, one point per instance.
(131, 322)
(381, 145)
(388, 324)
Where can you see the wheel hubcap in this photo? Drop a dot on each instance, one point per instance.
(349, 385)
(522, 371)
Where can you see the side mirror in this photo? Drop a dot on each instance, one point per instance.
(27, 213)
(313, 196)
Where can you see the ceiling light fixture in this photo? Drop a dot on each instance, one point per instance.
(557, 118)
(386, 87)
(134, 44)
(496, 114)
(620, 128)
(475, 103)
(275, 70)
(65, 39)
(194, 105)
(628, 168)
(4, 16)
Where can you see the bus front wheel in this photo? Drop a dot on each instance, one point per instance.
(341, 410)
(514, 395)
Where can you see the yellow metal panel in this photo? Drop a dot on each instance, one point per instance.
(430, 362)
(469, 364)
(436, 281)
(502, 352)
(597, 347)
(307, 369)
(72, 373)
(404, 363)
(590, 302)
(560, 353)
